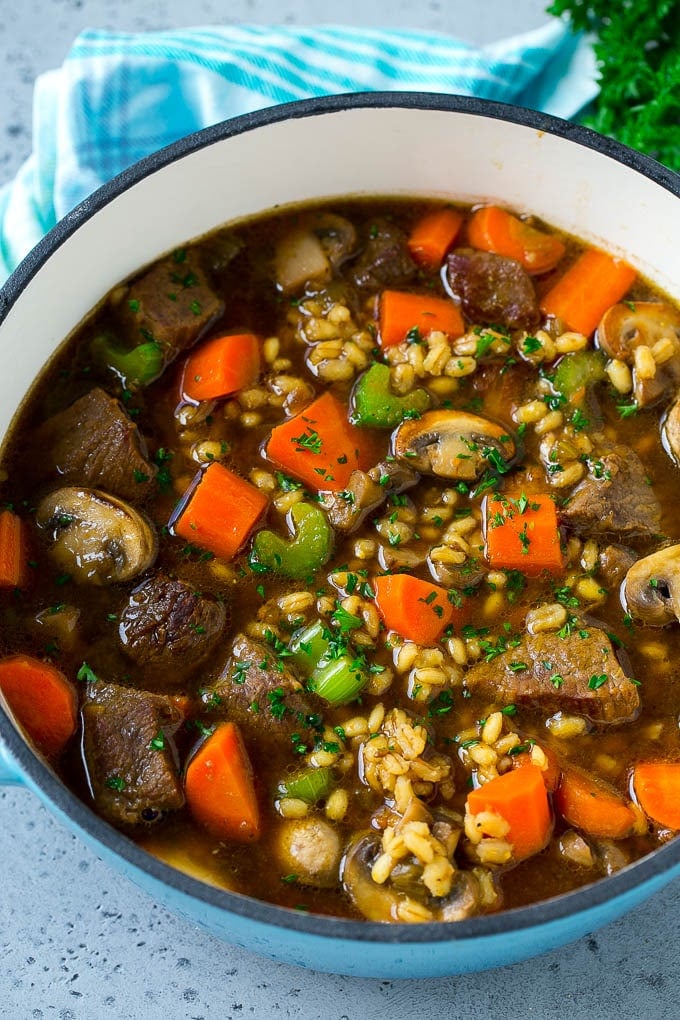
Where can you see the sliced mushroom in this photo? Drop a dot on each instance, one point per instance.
(670, 432)
(380, 902)
(310, 849)
(453, 444)
(627, 326)
(651, 589)
(365, 491)
(97, 538)
(337, 235)
(312, 249)
(376, 902)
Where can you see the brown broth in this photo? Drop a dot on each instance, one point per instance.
(497, 386)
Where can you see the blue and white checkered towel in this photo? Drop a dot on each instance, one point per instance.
(118, 97)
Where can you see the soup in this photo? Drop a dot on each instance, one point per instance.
(339, 561)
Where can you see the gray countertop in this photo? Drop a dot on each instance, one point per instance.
(79, 942)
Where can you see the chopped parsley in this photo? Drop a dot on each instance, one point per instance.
(158, 742)
(86, 674)
(309, 441)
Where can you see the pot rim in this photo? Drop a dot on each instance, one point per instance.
(586, 898)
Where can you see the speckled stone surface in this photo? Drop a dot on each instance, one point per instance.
(77, 941)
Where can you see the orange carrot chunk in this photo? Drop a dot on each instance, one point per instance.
(416, 609)
(657, 788)
(218, 511)
(551, 773)
(319, 446)
(223, 365)
(220, 789)
(521, 798)
(13, 551)
(594, 283)
(405, 315)
(522, 533)
(433, 235)
(495, 230)
(43, 700)
(592, 806)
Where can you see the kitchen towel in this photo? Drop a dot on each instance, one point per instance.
(120, 96)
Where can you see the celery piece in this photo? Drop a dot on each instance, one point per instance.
(310, 785)
(308, 549)
(333, 674)
(338, 681)
(308, 646)
(578, 371)
(137, 366)
(374, 405)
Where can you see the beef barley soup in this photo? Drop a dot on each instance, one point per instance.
(340, 561)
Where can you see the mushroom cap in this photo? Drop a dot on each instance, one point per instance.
(629, 325)
(96, 538)
(452, 444)
(379, 902)
(670, 432)
(651, 589)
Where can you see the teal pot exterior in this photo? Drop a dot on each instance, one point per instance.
(354, 948)
(569, 176)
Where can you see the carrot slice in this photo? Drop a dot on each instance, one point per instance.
(220, 789)
(13, 551)
(319, 446)
(43, 700)
(223, 365)
(594, 283)
(522, 533)
(657, 788)
(493, 229)
(218, 511)
(521, 798)
(433, 235)
(416, 609)
(590, 805)
(401, 314)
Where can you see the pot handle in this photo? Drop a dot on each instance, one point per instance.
(10, 773)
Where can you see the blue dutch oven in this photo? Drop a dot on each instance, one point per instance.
(369, 144)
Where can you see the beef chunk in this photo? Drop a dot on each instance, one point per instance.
(95, 443)
(127, 743)
(173, 304)
(492, 289)
(615, 562)
(579, 661)
(618, 500)
(385, 260)
(260, 696)
(168, 629)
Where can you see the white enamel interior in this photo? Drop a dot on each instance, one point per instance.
(355, 151)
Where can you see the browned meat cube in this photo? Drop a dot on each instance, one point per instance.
(617, 498)
(492, 289)
(172, 304)
(578, 673)
(95, 443)
(127, 742)
(260, 693)
(385, 260)
(168, 629)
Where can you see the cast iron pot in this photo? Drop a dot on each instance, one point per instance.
(373, 144)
